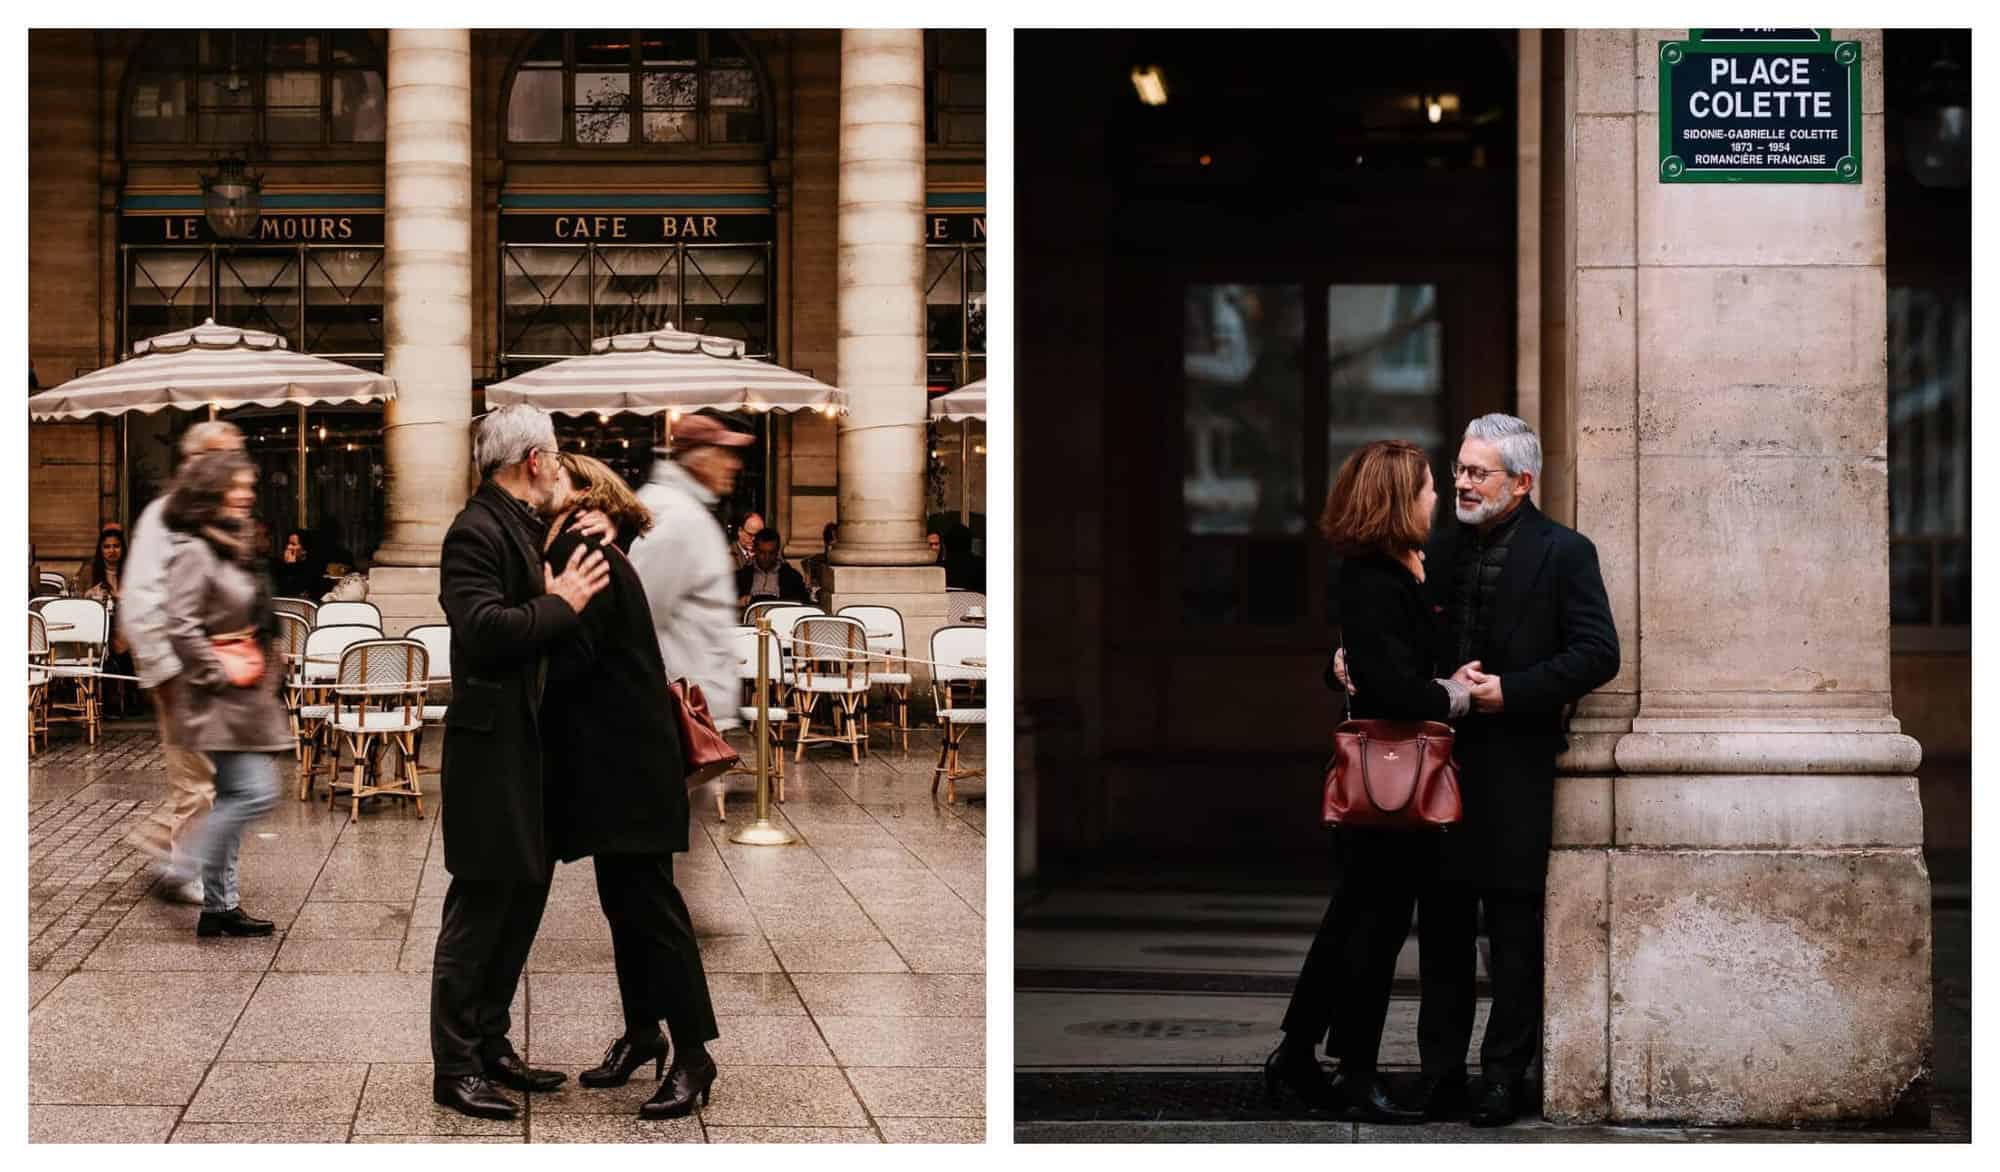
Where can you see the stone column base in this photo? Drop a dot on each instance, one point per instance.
(916, 591)
(407, 596)
(1737, 949)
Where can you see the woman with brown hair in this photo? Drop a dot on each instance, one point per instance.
(221, 626)
(1378, 518)
(614, 791)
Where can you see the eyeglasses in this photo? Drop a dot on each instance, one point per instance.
(1474, 473)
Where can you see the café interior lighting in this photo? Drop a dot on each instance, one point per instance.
(1150, 84)
(1434, 110)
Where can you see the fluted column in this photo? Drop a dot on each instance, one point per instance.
(427, 315)
(881, 298)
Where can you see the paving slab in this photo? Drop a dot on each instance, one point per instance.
(791, 1135)
(893, 994)
(613, 1129)
(788, 1096)
(260, 1133)
(932, 1131)
(131, 1038)
(906, 1041)
(49, 1124)
(396, 1100)
(279, 1092)
(929, 1092)
(838, 956)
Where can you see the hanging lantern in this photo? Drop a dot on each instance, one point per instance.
(233, 199)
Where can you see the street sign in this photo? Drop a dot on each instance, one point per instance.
(1760, 106)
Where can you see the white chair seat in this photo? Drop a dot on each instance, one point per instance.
(748, 713)
(433, 713)
(37, 677)
(315, 711)
(376, 722)
(832, 687)
(901, 678)
(962, 715)
(71, 671)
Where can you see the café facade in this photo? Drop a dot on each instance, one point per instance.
(618, 181)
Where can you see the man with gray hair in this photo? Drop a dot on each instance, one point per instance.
(507, 610)
(1531, 621)
(142, 620)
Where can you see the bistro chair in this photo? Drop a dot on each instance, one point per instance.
(830, 658)
(305, 608)
(959, 605)
(38, 682)
(959, 688)
(318, 672)
(743, 641)
(436, 638)
(751, 612)
(293, 631)
(51, 583)
(341, 614)
(77, 629)
(378, 703)
(891, 668)
(785, 618)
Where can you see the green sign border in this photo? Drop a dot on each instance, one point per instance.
(1847, 53)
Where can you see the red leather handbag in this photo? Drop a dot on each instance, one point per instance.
(705, 755)
(242, 659)
(1392, 775)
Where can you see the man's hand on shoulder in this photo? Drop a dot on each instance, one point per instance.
(581, 580)
(592, 523)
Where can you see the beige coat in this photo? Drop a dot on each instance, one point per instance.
(207, 596)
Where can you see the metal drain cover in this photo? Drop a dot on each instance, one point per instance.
(1163, 1028)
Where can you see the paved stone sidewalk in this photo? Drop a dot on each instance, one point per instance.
(847, 971)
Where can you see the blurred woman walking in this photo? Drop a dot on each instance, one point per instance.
(221, 626)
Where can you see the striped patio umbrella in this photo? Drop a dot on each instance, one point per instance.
(210, 368)
(967, 402)
(665, 371)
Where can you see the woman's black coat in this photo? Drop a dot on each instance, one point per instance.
(503, 626)
(1393, 635)
(611, 751)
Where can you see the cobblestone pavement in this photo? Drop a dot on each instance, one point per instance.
(847, 970)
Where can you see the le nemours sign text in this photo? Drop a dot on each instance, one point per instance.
(1760, 106)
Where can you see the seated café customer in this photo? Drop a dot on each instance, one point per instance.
(295, 573)
(768, 577)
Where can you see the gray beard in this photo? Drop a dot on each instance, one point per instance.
(1484, 512)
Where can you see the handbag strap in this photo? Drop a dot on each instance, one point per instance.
(1416, 774)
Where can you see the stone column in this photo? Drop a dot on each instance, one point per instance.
(428, 312)
(1739, 915)
(881, 556)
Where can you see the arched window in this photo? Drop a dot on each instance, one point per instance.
(227, 87)
(955, 87)
(643, 87)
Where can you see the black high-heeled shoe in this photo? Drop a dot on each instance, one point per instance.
(624, 1057)
(686, 1087)
(1296, 1068)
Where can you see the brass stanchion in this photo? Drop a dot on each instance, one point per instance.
(762, 833)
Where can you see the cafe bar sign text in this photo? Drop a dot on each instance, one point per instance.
(1760, 105)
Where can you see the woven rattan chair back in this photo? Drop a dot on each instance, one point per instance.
(827, 647)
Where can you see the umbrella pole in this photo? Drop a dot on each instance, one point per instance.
(211, 411)
(300, 494)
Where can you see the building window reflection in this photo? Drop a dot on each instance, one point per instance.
(557, 298)
(239, 86)
(1930, 457)
(955, 87)
(954, 315)
(1260, 449)
(647, 87)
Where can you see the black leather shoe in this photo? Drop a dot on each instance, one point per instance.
(625, 1056)
(1296, 1068)
(684, 1088)
(1448, 1098)
(234, 922)
(509, 1071)
(1363, 1099)
(1495, 1107)
(472, 1095)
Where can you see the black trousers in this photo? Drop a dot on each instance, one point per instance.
(489, 925)
(1343, 988)
(653, 947)
(1447, 935)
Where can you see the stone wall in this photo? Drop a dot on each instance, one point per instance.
(1738, 908)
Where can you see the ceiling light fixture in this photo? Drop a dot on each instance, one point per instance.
(1150, 83)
